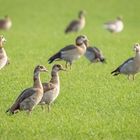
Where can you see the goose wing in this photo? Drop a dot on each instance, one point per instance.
(48, 86)
(123, 67)
(25, 94)
(111, 25)
(67, 48)
(2, 23)
(92, 53)
(1, 55)
(125, 63)
(58, 55)
(73, 26)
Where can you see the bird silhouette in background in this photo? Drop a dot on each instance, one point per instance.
(6, 23)
(76, 25)
(114, 26)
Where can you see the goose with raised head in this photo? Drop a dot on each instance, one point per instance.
(52, 88)
(71, 53)
(131, 66)
(30, 97)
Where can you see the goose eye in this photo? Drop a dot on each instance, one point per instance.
(41, 67)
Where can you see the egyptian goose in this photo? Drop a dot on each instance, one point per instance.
(6, 23)
(114, 26)
(76, 25)
(71, 52)
(3, 56)
(93, 54)
(51, 89)
(30, 97)
(130, 66)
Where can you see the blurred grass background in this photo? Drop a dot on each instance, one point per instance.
(92, 104)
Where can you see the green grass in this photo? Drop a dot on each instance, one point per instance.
(93, 105)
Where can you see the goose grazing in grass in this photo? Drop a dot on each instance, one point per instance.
(93, 54)
(30, 97)
(114, 26)
(71, 52)
(6, 23)
(76, 25)
(3, 56)
(51, 89)
(130, 66)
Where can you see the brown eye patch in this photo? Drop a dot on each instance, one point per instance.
(57, 65)
(41, 67)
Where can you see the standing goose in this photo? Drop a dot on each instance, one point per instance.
(51, 89)
(71, 52)
(93, 54)
(30, 97)
(3, 55)
(76, 25)
(6, 23)
(130, 66)
(114, 26)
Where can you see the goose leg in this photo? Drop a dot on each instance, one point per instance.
(128, 77)
(133, 77)
(66, 65)
(49, 108)
(29, 112)
(42, 106)
(70, 65)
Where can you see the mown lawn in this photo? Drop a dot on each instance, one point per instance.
(93, 105)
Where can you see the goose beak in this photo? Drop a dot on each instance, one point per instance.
(86, 42)
(63, 69)
(45, 70)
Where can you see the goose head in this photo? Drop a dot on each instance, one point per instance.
(82, 39)
(58, 67)
(81, 14)
(136, 47)
(40, 68)
(119, 18)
